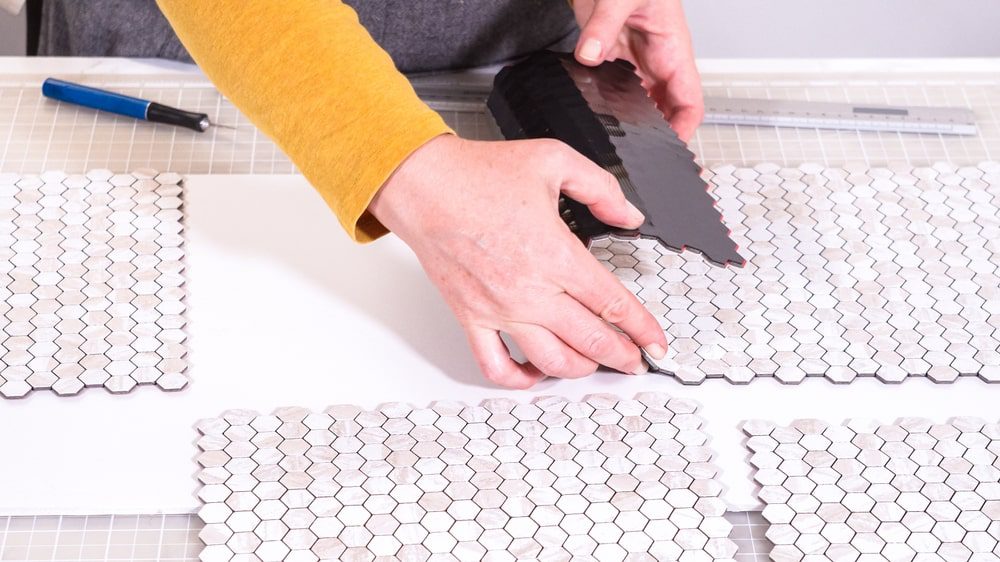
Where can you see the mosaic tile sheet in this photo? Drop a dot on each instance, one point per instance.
(899, 492)
(600, 479)
(851, 272)
(91, 279)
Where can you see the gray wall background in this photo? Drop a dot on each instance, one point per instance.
(800, 28)
(845, 28)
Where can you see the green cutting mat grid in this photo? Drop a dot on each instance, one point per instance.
(174, 538)
(38, 134)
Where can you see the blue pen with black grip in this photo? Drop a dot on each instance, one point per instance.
(121, 104)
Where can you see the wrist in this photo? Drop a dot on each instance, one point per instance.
(394, 204)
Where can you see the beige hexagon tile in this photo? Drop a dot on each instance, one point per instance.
(863, 491)
(852, 272)
(604, 478)
(91, 275)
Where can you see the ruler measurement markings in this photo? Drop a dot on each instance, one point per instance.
(727, 143)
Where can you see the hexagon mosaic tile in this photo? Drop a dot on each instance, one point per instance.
(91, 277)
(886, 272)
(604, 479)
(909, 491)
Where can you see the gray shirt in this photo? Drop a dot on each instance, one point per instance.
(419, 35)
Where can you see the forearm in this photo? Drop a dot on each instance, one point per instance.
(311, 77)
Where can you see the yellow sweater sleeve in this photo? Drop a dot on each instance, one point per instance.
(309, 75)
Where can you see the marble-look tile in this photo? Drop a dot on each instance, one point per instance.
(604, 478)
(91, 278)
(885, 272)
(903, 492)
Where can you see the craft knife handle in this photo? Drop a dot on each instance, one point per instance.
(121, 104)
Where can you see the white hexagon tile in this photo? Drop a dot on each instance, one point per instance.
(909, 491)
(604, 479)
(885, 272)
(91, 277)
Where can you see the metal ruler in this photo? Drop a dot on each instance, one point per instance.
(842, 116)
(463, 91)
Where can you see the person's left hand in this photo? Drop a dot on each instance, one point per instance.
(652, 35)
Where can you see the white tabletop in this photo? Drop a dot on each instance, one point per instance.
(286, 310)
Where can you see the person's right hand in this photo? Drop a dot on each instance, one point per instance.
(483, 219)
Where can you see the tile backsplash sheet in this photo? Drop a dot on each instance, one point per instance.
(604, 477)
(91, 275)
(905, 491)
(852, 272)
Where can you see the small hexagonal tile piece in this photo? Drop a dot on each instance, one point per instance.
(883, 498)
(90, 274)
(885, 273)
(603, 478)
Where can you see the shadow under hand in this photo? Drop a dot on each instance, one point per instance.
(280, 218)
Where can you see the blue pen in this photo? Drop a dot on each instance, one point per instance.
(125, 105)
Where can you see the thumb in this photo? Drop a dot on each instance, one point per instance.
(600, 34)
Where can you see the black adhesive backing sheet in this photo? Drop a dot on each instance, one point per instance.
(605, 114)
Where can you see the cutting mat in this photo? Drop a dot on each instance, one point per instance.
(39, 134)
(174, 538)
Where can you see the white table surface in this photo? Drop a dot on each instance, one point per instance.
(285, 310)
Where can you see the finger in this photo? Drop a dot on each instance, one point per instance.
(495, 361)
(599, 35)
(549, 354)
(667, 67)
(600, 191)
(687, 101)
(601, 292)
(685, 120)
(683, 108)
(593, 338)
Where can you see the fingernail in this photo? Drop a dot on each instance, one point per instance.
(655, 350)
(591, 50)
(642, 369)
(634, 214)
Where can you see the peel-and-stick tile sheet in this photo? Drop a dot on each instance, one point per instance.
(606, 115)
(604, 479)
(91, 277)
(851, 272)
(909, 491)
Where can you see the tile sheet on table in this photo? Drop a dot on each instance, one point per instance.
(907, 491)
(91, 273)
(851, 272)
(604, 478)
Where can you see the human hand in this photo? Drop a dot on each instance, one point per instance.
(653, 36)
(483, 219)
